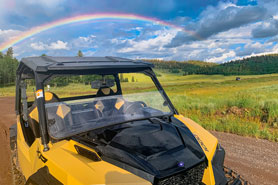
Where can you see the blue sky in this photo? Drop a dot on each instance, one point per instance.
(231, 29)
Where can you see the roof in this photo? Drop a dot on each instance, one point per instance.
(52, 64)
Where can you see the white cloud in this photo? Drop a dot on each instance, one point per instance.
(39, 46)
(161, 38)
(237, 33)
(8, 34)
(254, 48)
(218, 50)
(194, 54)
(58, 45)
(222, 58)
(84, 42)
(266, 28)
(270, 5)
(273, 50)
(118, 41)
(47, 3)
(216, 19)
(136, 28)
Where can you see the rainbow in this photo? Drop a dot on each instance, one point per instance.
(100, 16)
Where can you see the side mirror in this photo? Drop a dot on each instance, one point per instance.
(96, 84)
(106, 83)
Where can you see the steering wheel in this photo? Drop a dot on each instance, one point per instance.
(134, 106)
(142, 103)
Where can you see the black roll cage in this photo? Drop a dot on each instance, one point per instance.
(25, 72)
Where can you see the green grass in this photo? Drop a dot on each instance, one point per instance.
(248, 107)
(7, 91)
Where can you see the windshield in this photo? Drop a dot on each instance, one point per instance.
(134, 97)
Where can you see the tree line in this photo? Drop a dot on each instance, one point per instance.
(256, 65)
(8, 66)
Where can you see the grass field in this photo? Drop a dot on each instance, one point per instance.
(247, 107)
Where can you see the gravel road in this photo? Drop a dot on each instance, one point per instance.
(255, 159)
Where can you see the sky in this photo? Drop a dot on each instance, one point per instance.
(207, 30)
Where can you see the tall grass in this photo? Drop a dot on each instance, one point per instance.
(242, 115)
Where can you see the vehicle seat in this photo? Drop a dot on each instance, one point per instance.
(33, 114)
(105, 91)
(108, 106)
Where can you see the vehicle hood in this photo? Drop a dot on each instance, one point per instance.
(152, 150)
(73, 169)
(140, 152)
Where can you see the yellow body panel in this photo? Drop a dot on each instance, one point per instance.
(81, 170)
(27, 156)
(34, 114)
(70, 168)
(207, 141)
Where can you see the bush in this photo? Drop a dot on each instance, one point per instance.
(174, 71)
(241, 101)
(271, 107)
(157, 74)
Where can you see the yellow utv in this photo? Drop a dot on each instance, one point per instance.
(107, 120)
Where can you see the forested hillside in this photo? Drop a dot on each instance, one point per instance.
(266, 64)
(186, 67)
(8, 66)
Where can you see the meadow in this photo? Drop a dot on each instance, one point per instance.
(248, 107)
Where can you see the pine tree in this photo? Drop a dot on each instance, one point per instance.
(80, 54)
(8, 68)
(10, 52)
(121, 77)
(1, 55)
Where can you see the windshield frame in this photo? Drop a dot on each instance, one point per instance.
(41, 80)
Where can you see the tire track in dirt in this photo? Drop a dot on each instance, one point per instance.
(5, 160)
(254, 159)
(7, 118)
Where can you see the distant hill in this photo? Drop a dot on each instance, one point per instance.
(266, 64)
(186, 67)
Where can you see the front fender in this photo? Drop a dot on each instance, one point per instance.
(208, 143)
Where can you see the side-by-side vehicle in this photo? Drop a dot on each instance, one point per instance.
(107, 120)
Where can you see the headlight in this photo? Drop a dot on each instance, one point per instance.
(219, 156)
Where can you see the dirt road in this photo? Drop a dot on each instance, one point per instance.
(7, 118)
(256, 160)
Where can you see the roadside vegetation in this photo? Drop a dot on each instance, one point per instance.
(248, 107)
